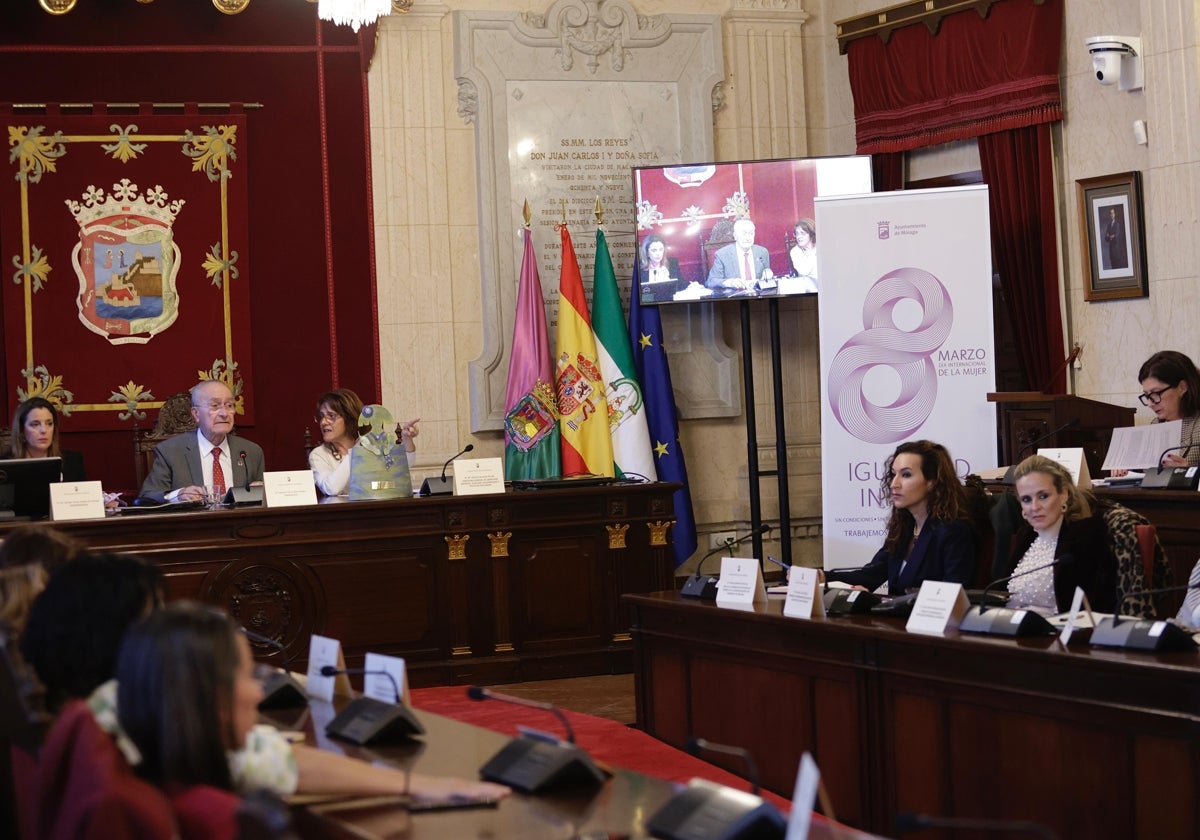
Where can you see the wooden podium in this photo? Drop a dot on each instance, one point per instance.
(1030, 420)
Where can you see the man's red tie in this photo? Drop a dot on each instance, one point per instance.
(218, 473)
(749, 278)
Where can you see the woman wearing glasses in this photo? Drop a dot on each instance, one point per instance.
(1171, 388)
(337, 417)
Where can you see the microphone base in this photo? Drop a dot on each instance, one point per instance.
(1003, 621)
(280, 691)
(370, 721)
(244, 496)
(1172, 478)
(848, 601)
(532, 765)
(707, 811)
(700, 586)
(1140, 634)
(437, 486)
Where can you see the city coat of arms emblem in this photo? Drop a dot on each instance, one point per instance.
(126, 261)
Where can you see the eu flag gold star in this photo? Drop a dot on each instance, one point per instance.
(660, 449)
(645, 341)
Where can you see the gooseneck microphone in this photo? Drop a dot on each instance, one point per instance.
(1173, 449)
(1006, 621)
(535, 762)
(1171, 478)
(909, 822)
(1129, 596)
(477, 692)
(702, 586)
(280, 689)
(442, 485)
(468, 448)
(242, 461)
(330, 671)
(698, 745)
(366, 720)
(1065, 560)
(707, 809)
(1143, 633)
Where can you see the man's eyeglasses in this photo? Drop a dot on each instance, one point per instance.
(1155, 397)
(215, 406)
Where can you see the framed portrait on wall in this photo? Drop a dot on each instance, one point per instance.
(1113, 237)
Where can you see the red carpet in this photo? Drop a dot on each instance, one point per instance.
(605, 740)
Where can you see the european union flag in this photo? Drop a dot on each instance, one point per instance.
(654, 374)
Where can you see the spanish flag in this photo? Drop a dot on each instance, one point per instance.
(582, 408)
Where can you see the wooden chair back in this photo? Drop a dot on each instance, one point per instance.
(174, 417)
(720, 236)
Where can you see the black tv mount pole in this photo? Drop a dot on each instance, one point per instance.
(754, 475)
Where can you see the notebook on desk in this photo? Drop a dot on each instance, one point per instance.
(560, 483)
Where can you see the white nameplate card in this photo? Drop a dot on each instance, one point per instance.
(940, 606)
(478, 476)
(380, 686)
(1075, 463)
(289, 488)
(1080, 600)
(76, 500)
(804, 595)
(323, 651)
(804, 797)
(741, 583)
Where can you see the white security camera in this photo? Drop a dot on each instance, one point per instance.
(1117, 59)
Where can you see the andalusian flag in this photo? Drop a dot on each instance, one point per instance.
(582, 410)
(531, 439)
(645, 328)
(626, 412)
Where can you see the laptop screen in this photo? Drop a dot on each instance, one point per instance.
(25, 486)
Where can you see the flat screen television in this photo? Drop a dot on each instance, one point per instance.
(690, 218)
(25, 486)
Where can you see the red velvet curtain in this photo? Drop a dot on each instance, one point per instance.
(995, 79)
(1018, 169)
(887, 171)
(976, 76)
(312, 319)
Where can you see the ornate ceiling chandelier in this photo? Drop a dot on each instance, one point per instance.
(352, 13)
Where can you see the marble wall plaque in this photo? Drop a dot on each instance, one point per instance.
(586, 73)
(576, 142)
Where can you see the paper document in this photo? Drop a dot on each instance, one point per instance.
(1141, 447)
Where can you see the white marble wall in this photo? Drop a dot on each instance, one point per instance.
(787, 94)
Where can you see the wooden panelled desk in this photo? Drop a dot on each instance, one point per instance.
(618, 809)
(492, 588)
(1091, 742)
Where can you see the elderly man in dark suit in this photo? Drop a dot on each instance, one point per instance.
(741, 264)
(212, 455)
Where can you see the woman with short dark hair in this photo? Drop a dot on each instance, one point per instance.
(1171, 389)
(337, 419)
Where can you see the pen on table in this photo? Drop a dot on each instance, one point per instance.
(779, 562)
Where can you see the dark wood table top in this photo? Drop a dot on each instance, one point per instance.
(618, 809)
